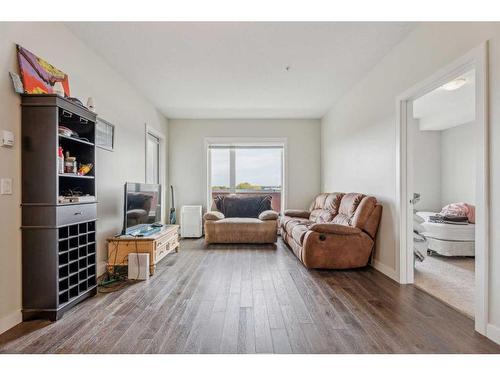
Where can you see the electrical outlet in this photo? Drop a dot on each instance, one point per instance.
(6, 186)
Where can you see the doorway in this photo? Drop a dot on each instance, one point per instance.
(442, 127)
(412, 162)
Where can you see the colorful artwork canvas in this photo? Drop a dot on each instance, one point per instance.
(40, 77)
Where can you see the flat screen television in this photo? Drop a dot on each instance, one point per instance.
(142, 207)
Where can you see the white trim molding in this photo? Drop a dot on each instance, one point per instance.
(11, 320)
(493, 333)
(386, 270)
(162, 173)
(476, 59)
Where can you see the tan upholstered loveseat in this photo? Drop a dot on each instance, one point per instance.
(337, 232)
(256, 224)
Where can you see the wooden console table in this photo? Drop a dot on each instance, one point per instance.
(157, 246)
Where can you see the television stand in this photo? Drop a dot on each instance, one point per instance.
(157, 245)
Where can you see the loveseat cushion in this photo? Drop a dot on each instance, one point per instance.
(268, 215)
(243, 205)
(213, 215)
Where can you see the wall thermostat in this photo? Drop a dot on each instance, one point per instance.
(7, 138)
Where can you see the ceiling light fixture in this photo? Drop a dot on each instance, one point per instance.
(455, 84)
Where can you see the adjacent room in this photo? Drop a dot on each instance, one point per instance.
(249, 187)
(444, 180)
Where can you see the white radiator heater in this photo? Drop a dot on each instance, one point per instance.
(191, 223)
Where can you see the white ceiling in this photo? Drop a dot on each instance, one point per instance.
(441, 109)
(238, 70)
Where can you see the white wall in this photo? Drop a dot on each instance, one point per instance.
(186, 146)
(427, 168)
(458, 166)
(359, 135)
(444, 166)
(116, 101)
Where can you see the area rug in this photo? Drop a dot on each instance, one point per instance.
(451, 279)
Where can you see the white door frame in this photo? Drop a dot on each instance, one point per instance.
(476, 59)
(162, 172)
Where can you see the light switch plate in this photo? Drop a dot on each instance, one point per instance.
(7, 138)
(6, 186)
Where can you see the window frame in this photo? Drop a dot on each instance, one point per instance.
(243, 142)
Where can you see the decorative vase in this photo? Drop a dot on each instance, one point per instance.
(90, 104)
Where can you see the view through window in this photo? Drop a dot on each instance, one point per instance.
(252, 170)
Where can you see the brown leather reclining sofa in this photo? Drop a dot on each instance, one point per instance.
(337, 232)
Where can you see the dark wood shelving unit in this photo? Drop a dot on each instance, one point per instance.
(59, 239)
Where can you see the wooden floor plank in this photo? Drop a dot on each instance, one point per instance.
(253, 299)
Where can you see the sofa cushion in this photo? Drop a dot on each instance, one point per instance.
(286, 219)
(347, 209)
(268, 215)
(325, 207)
(363, 212)
(321, 216)
(290, 224)
(297, 213)
(299, 232)
(243, 205)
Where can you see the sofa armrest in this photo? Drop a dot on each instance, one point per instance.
(334, 229)
(268, 215)
(297, 213)
(213, 215)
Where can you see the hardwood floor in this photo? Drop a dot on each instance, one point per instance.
(253, 299)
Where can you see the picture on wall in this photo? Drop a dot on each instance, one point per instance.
(40, 77)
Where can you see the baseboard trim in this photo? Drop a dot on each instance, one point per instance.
(493, 333)
(386, 270)
(9, 321)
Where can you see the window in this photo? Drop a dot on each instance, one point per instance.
(152, 159)
(247, 169)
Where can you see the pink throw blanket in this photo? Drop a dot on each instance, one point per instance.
(460, 209)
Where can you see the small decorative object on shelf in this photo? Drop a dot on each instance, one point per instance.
(69, 164)
(62, 130)
(90, 104)
(60, 160)
(85, 169)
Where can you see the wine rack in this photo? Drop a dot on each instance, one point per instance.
(76, 261)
